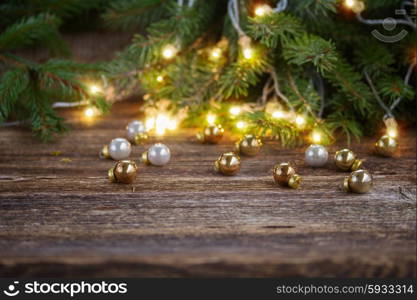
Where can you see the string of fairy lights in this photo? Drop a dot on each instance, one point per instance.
(162, 121)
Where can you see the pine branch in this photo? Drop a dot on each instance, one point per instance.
(42, 28)
(133, 14)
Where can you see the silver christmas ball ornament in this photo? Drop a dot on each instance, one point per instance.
(316, 156)
(157, 155)
(135, 128)
(119, 149)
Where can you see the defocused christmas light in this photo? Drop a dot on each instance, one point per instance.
(355, 5)
(211, 119)
(240, 125)
(247, 53)
(216, 53)
(300, 121)
(169, 52)
(262, 10)
(234, 110)
(172, 124)
(150, 124)
(160, 78)
(392, 132)
(278, 114)
(90, 112)
(94, 89)
(316, 137)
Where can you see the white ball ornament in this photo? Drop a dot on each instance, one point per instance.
(119, 148)
(157, 155)
(134, 128)
(316, 155)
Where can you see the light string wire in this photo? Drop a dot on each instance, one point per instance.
(233, 11)
(281, 6)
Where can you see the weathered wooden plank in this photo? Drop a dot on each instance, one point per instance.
(65, 219)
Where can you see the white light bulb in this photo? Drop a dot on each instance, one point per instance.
(169, 52)
(316, 137)
(247, 53)
(211, 119)
(278, 114)
(240, 125)
(159, 78)
(300, 121)
(235, 110)
(262, 10)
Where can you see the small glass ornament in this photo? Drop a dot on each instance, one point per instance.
(359, 181)
(227, 164)
(249, 145)
(124, 171)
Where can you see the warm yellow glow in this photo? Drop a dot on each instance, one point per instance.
(350, 3)
(169, 52)
(172, 124)
(278, 114)
(300, 121)
(316, 137)
(240, 125)
(262, 10)
(355, 5)
(90, 112)
(247, 53)
(161, 124)
(160, 78)
(392, 132)
(211, 119)
(150, 124)
(216, 53)
(94, 89)
(234, 110)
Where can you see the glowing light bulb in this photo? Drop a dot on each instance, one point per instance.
(161, 124)
(89, 112)
(392, 132)
(350, 3)
(216, 53)
(172, 124)
(355, 5)
(150, 124)
(169, 52)
(300, 121)
(211, 119)
(160, 78)
(262, 10)
(278, 114)
(316, 137)
(94, 89)
(240, 125)
(247, 53)
(235, 110)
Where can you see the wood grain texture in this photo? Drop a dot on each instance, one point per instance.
(65, 219)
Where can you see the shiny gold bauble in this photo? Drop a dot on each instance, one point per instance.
(285, 175)
(124, 171)
(140, 138)
(359, 181)
(104, 152)
(228, 163)
(249, 145)
(386, 146)
(211, 134)
(346, 160)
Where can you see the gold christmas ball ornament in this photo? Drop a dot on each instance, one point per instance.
(359, 181)
(249, 145)
(211, 134)
(227, 164)
(386, 146)
(140, 138)
(104, 152)
(284, 174)
(124, 171)
(346, 160)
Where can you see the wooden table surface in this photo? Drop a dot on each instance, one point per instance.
(59, 216)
